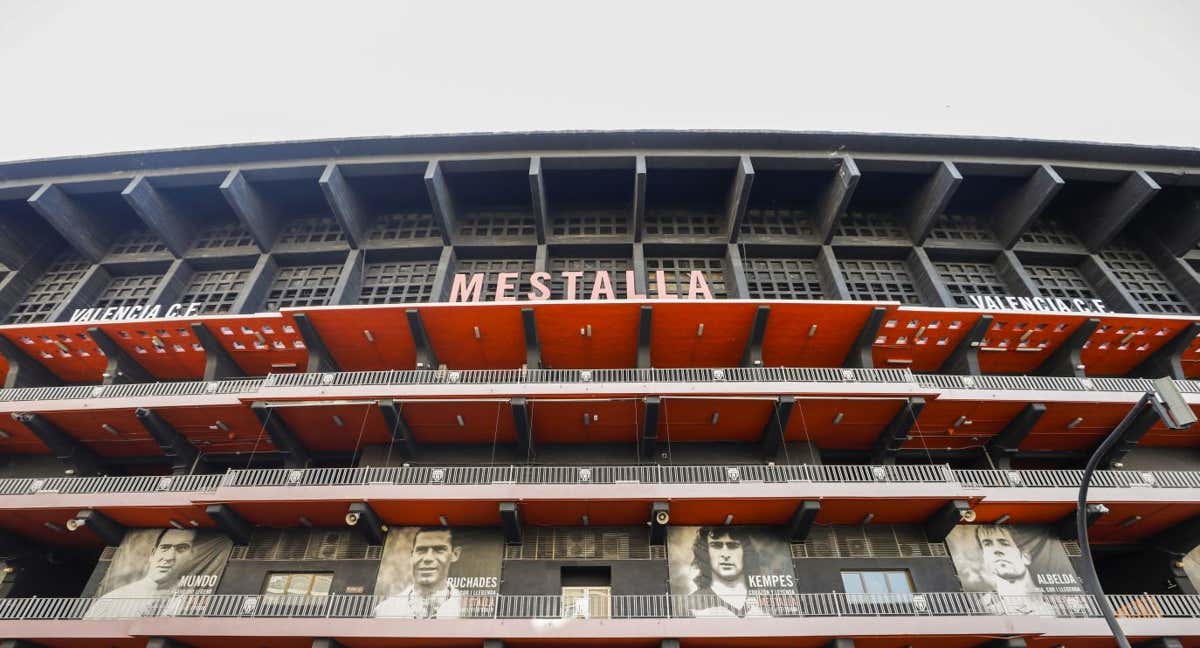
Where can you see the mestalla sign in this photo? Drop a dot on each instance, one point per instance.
(470, 287)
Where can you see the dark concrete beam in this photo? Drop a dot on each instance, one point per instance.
(121, 368)
(19, 643)
(1178, 540)
(256, 213)
(942, 522)
(426, 358)
(639, 198)
(1130, 438)
(836, 199)
(363, 519)
(964, 360)
(833, 282)
(537, 194)
(860, 356)
(803, 520)
(649, 441)
(752, 356)
(1011, 642)
(320, 359)
(1179, 272)
(660, 518)
(533, 348)
(442, 200)
(65, 448)
(739, 197)
(1017, 211)
(1007, 443)
(895, 433)
(348, 288)
(326, 642)
(1067, 528)
(402, 436)
(257, 285)
(645, 320)
(176, 446)
(1066, 359)
(1177, 220)
(231, 522)
(1100, 223)
(297, 456)
(773, 431)
(523, 425)
(668, 643)
(218, 363)
(24, 371)
(1167, 360)
(1160, 642)
(735, 273)
(510, 522)
(84, 230)
(347, 206)
(1108, 287)
(160, 215)
(165, 642)
(107, 529)
(929, 282)
(930, 201)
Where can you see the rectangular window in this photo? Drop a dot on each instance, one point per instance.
(877, 582)
(298, 584)
(587, 602)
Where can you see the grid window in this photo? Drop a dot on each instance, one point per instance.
(966, 279)
(678, 274)
(1049, 231)
(223, 237)
(298, 584)
(309, 231)
(870, 225)
(1064, 282)
(405, 227)
(877, 582)
(879, 281)
(493, 224)
(583, 286)
(49, 290)
(395, 282)
(215, 290)
(138, 240)
(591, 222)
(491, 268)
(1137, 274)
(778, 222)
(782, 278)
(132, 290)
(300, 286)
(960, 227)
(681, 222)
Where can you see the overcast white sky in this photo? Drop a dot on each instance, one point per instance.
(90, 77)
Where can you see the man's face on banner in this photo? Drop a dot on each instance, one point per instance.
(726, 556)
(1001, 555)
(432, 554)
(170, 555)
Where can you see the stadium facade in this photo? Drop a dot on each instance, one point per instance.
(619, 388)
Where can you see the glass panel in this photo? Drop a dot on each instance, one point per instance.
(852, 581)
(875, 582)
(300, 584)
(322, 583)
(276, 584)
(899, 582)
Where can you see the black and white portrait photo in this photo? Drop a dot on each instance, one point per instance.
(1023, 564)
(727, 571)
(439, 572)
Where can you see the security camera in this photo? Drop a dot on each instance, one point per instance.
(352, 519)
(75, 524)
(662, 517)
(967, 515)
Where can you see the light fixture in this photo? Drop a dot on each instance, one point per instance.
(461, 422)
(177, 524)
(157, 342)
(443, 521)
(837, 418)
(967, 515)
(305, 522)
(54, 527)
(221, 425)
(367, 334)
(729, 519)
(5, 435)
(1002, 519)
(716, 416)
(959, 421)
(867, 518)
(587, 420)
(352, 518)
(700, 329)
(62, 347)
(1130, 521)
(586, 521)
(74, 524)
(1074, 422)
(812, 330)
(193, 523)
(337, 420)
(478, 335)
(110, 429)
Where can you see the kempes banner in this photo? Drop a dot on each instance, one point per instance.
(731, 571)
(1021, 562)
(153, 564)
(439, 572)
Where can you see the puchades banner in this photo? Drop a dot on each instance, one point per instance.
(154, 564)
(1022, 564)
(731, 571)
(439, 572)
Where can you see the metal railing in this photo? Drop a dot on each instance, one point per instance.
(643, 606)
(134, 484)
(135, 390)
(1046, 383)
(1073, 478)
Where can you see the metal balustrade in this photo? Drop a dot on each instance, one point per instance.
(87, 485)
(1046, 383)
(642, 606)
(134, 390)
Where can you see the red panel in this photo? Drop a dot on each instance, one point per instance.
(18, 439)
(130, 439)
(176, 356)
(65, 349)
(861, 422)
(1134, 521)
(482, 421)
(1121, 343)
(676, 339)
(1003, 350)
(499, 345)
(684, 419)
(920, 339)
(1052, 433)
(343, 331)
(788, 342)
(600, 513)
(261, 344)
(608, 421)
(155, 517)
(1191, 359)
(31, 525)
(1022, 512)
(961, 424)
(199, 425)
(563, 333)
(318, 430)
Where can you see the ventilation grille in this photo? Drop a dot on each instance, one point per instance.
(583, 286)
(879, 281)
(1072, 548)
(1049, 231)
(960, 227)
(132, 290)
(138, 240)
(108, 554)
(493, 267)
(870, 225)
(678, 272)
(782, 278)
(792, 223)
(50, 290)
(215, 290)
(1138, 275)
(405, 227)
(300, 286)
(965, 279)
(585, 543)
(306, 544)
(1064, 282)
(682, 222)
(309, 231)
(591, 222)
(224, 237)
(398, 282)
(497, 224)
(868, 542)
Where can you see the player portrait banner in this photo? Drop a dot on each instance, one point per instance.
(152, 565)
(439, 572)
(1022, 564)
(728, 571)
